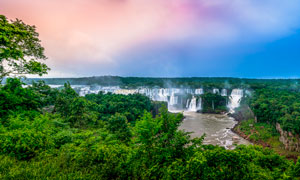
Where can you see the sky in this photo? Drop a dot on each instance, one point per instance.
(165, 38)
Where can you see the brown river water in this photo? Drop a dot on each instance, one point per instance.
(216, 128)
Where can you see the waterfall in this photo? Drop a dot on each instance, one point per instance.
(173, 100)
(216, 91)
(198, 91)
(162, 95)
(235, 99)
(224, 92)
(187, 103)
(199, 105)
(193, 104)
(173, 96)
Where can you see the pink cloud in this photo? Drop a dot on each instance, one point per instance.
(99, 30)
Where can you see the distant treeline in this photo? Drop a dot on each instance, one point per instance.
(192, 82)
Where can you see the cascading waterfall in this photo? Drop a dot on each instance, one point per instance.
(173, 96)
(216, 91)
(199, 105)
(162, 96)
(224, 92)
(235, 99)
(199, 91)
(193, 104)
(187, 104)
(173, 100)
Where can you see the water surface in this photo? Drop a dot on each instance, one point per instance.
(216, 127)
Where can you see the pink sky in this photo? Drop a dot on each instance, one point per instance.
(99, 31)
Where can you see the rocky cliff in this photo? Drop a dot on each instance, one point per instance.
(290, 141)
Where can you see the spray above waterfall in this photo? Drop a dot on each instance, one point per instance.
(235, 99)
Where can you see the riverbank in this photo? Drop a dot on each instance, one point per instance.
(265, 135)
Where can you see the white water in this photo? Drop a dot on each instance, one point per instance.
(187, 103)
(235, 99)
(199, 105)
(215, 127)
(193, 105)
(224, 92)
(173, 100)
(169, 95)
(199, 91)
(216, 91)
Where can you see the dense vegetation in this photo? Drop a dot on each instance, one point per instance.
(193, 82)
(277, 105)
(50, 133)
(213, 103)
(260, 113)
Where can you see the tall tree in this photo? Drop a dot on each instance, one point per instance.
(20, 49)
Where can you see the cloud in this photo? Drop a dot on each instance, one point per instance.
(106, 33)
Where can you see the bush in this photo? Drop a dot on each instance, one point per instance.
(24, 138)
(15, 99)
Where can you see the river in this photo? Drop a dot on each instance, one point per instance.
(216, 127)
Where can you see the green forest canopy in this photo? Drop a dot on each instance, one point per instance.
(51, 133)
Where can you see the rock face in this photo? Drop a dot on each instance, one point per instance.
(243, 113)
(290, 141)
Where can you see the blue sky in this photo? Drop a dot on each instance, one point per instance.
(166, 38)
(278, 58)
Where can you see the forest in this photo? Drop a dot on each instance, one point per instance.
(192, 82)
(277, 106)
(213, 103)
(51, 133)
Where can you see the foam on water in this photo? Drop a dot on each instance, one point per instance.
(216, 128)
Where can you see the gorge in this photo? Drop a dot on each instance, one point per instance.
(189, 101)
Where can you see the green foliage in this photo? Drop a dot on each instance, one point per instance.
(207, 83)
(23, 138)
(297, 168)
(14, 98)
(118, 125)
(160, 143)
(108, 136)
(277, 106)
(213, 103)
(80, 114)
(20, 49)
(132, 106)
(64, 99)
(46, 94)
(258, 131)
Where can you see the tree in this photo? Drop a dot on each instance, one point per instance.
(20, 49)
(117, 124)
(80, 114)
(297, 168)
(64, 100)
(14, 98)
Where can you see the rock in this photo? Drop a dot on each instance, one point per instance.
(235, 138)
(250, 125)
(291, 142)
